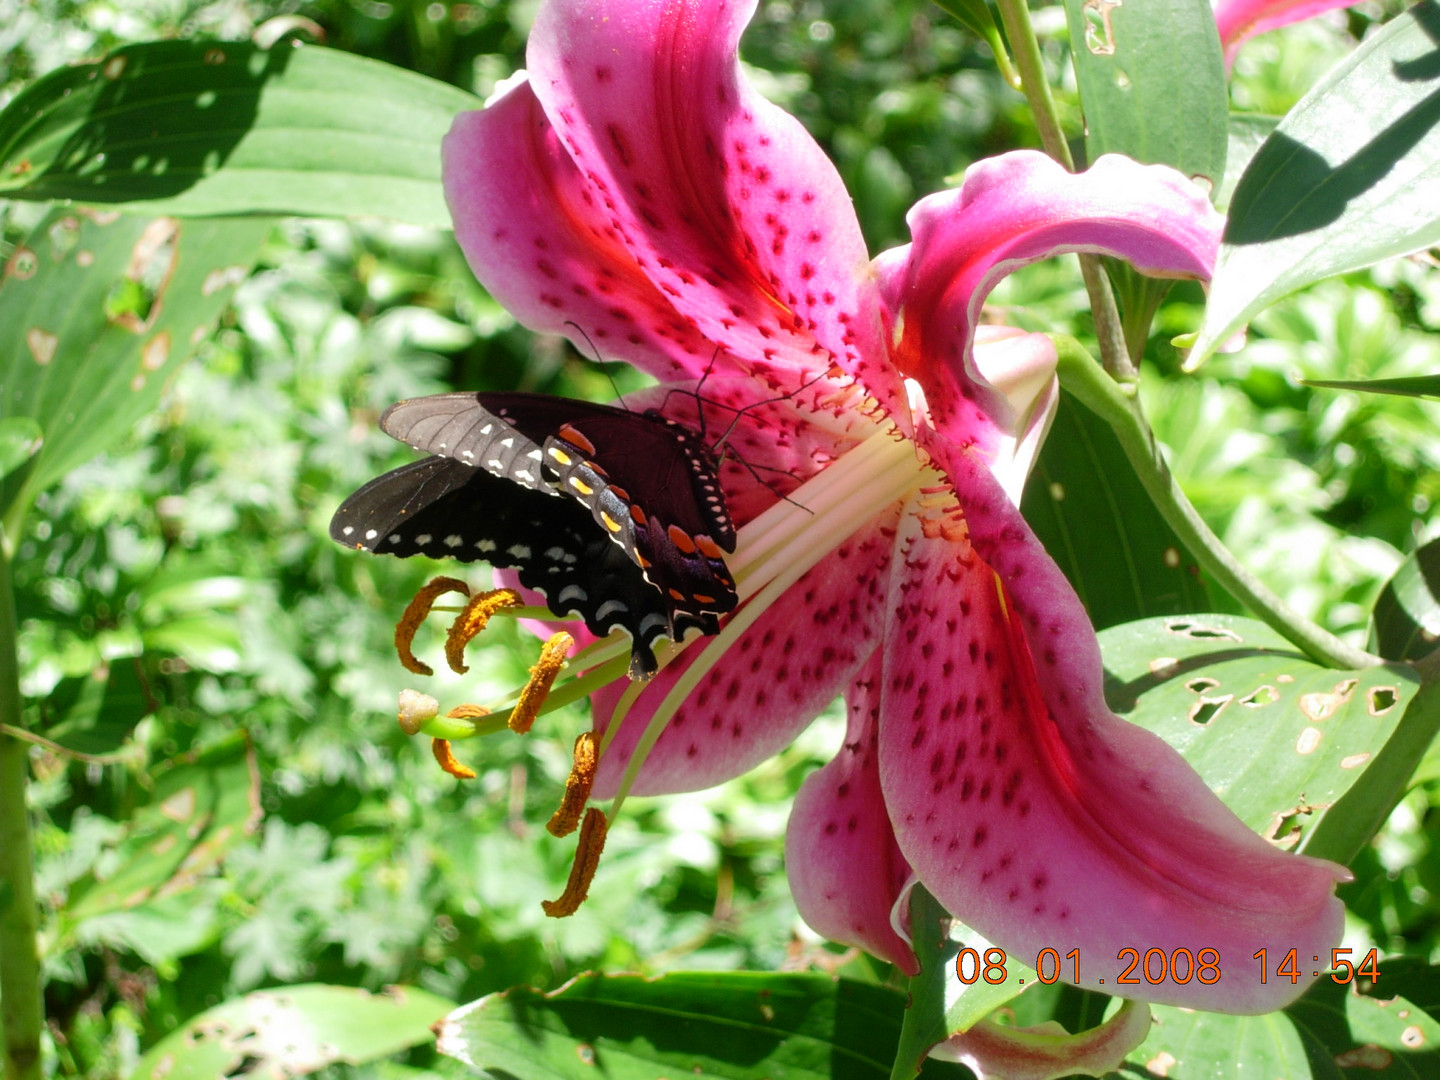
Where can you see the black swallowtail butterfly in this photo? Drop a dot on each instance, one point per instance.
(612, 515)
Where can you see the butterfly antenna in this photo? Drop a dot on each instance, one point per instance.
(719, 444)
(599, 361)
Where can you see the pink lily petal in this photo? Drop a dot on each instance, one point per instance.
(1241, 19)
(722, 198)
(796, 658)
(845, 867)
(1021, 367)
(1047, 1051)
(1024, 804)
(1013, 210)
(768, 444)
(537, 240)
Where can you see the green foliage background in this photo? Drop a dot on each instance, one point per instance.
(191, 573)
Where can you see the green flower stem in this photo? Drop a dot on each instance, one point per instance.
(1109, 330)
(1097, 391)
(20, 1007)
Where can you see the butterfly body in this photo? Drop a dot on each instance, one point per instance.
(612, 515)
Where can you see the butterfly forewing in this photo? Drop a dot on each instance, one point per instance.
(445, 509)
(636, 537)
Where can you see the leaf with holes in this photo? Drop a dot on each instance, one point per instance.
(1090, 511)
(1347, 179)
(732, 1025)
(294, 1031)
(1385, 1030)
(96, 313)
(1310, 757)
(1140, 102)
(216, 128)
(203, 805)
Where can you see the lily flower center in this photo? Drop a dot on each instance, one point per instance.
(777, 549)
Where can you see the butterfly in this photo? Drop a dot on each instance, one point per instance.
(615, 516)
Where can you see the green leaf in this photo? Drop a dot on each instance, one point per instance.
(1152, 83)
(94, 714)
(1152, 86)
(1310, 757)
(20, 440)
(1415, 386)
(977, 17)
(202, 806)
(218, 128)
(939, 1002)
(1346, 180)
(96, 312)
(1406, 619)
(292, 1031)
(1385, 1029)
(1377, 1034)
(732, 1025)
(1248, 132)
(1188, 1045)
(1089, 509)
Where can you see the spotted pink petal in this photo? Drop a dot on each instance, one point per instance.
(1013, 210)
(1034, 813)
(797, 657)
(537, 239)
(721, 198)
(845, 868)
(1241, 19)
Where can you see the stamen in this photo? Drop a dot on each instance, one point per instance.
(587, 860)
(542, 676)
(882, 471)
(416, 710)
(472, 620)
(468, 712)
(448, 762)
(414, 615)
(577, 786)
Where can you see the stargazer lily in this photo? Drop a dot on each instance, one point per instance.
(636, 190)
(1241, 19)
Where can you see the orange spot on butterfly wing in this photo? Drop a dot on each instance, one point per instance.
(574, 437)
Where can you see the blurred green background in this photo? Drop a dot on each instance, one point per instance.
(189, 572)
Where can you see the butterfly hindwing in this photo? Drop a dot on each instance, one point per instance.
(632, 500)
(441, 508)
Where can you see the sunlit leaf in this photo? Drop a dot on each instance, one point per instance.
(1347, 179)
(215, 128)
(20, 440)
(1310, 757)
(732, 1025)
(96, 313)
(294, 1031)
